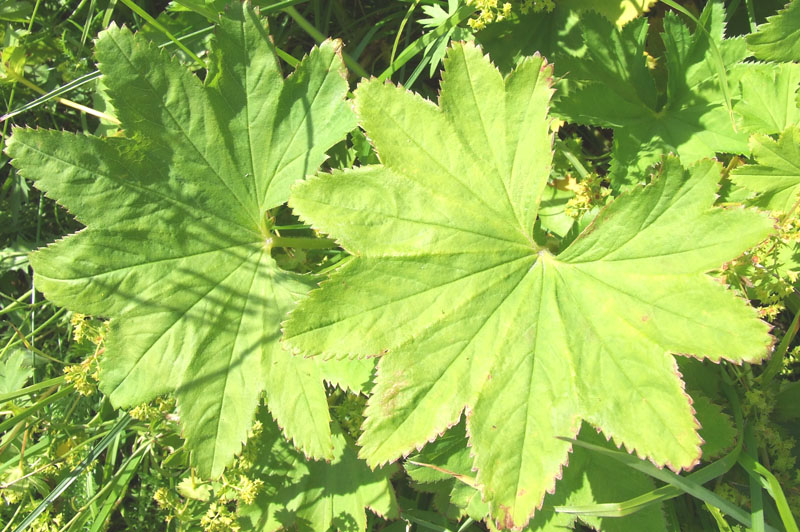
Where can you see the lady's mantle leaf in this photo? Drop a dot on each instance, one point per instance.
(299, 494)
(177, 247)
(448, 281)
(769, 98)
(776, 177)
(777, 40)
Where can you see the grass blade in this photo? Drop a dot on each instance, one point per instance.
(10, 422)
(33, 388)
(683, 483)
(775, 364)
(664, 493)
(75, 473)
(309, 28)
(768, 481)
(153, 22)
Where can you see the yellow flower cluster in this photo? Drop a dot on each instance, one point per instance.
(145, 412)
(589, 193)
(79, 327)
(249, 454)
(85, 328)
(48, 523)
(84, 375)
(219, 519)
(153, 411)
(248, 489)
(493, 11)
(163, 498)
(488, 11)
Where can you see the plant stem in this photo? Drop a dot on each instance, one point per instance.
(153, 22)
(10, 422)
(301, 242)
(69, 103)
(461, 14)
(16, 303)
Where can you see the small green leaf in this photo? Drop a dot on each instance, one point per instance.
(443, 459)
(189, 489)
(591, 479)
(779, 38)
(769, 98)
(717, 431)
(305, 495)
(511, 40)
(776, 176)
(15, 370)
(348, 374)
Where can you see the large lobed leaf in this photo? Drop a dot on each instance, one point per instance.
(469, 312)
(177, 247)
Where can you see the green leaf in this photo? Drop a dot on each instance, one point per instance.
(589, 479)
(685, 484)
(300, 494)
(552, 210)
(16, 11)
(15, 370)
(177, 248)
(776, 176)
(769, 98)
(717, 431)
(14, 257)
(787, 402)
(779, 38)
(348, 374)
(444, 467)
(511, 40)
(693, 121)
(448, 284)
(442, 459)
(592, 479)
(189, 489)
